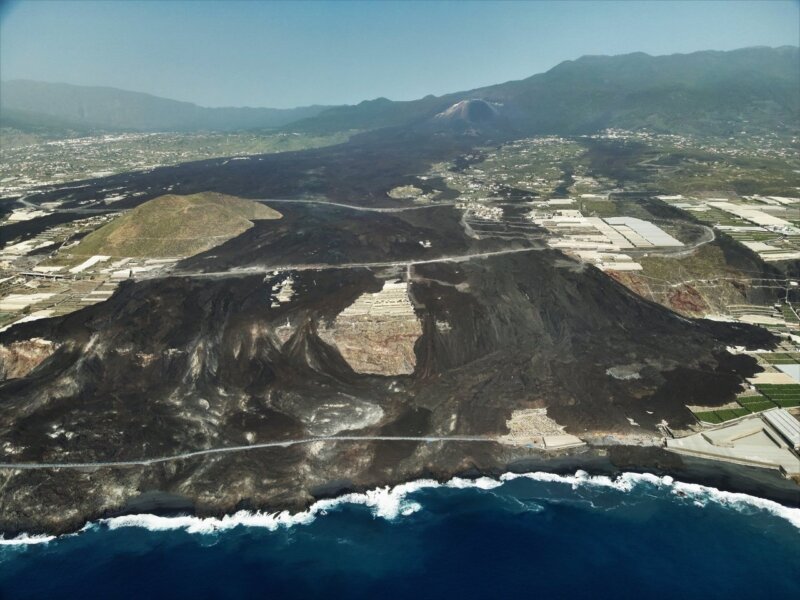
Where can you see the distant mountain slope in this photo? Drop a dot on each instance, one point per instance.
(114, 109)
(174, 225)
(23, 128)
(39, 123)
(704, 92)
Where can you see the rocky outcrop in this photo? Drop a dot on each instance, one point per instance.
(376, 334)
(17, 359)
(687, 300)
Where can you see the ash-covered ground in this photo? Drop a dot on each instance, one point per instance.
(269, 337)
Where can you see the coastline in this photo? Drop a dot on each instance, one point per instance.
(614, 463)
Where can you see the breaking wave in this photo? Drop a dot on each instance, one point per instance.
(386, 502)
(700, 495)
(392, 503)
(26, 540)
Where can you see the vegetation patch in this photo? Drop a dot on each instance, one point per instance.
(781, 358)
(759, 406)
(173, 226)
(708, 417)
(785, 396)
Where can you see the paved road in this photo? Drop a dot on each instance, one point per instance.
(354, 207)
(78, 211)
(104, 209)
(281, 444)
(245, 271)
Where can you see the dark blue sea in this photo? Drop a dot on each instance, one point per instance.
(534, 536)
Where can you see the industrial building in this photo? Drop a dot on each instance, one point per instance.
(769, 439)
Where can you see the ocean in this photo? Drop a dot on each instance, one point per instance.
(524, 536)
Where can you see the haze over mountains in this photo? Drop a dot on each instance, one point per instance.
(26, 103)
(703, 92)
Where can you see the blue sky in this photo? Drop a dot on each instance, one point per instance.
(279, 54)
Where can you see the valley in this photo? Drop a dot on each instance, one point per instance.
(32, 163)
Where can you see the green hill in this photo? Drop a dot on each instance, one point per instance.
(174, 226)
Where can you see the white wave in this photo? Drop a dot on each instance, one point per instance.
(481, 483)
(386, 502)
(743, 503)
(391, 503)
(24, 539)
(624, 483)
(699, 494)
(209, 525)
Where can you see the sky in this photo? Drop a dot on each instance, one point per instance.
(285, 54)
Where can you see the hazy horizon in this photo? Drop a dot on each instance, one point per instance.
(321, 104)
(284, 55)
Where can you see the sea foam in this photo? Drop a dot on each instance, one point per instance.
(26, 540)
(394, 502)
(744, 503)
(700, 495)
(387, 502)
(624, 483)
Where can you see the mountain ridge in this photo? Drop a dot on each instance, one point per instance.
(105, 107)
(666, 93)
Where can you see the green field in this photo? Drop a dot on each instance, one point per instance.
(708, 416)
(781, 358)
(725, 414)
(754, 407)
(749, 401)
(791, 317)
(785, 396)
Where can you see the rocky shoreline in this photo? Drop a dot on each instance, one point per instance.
(611, 461)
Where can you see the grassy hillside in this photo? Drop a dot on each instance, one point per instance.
(172, 226)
